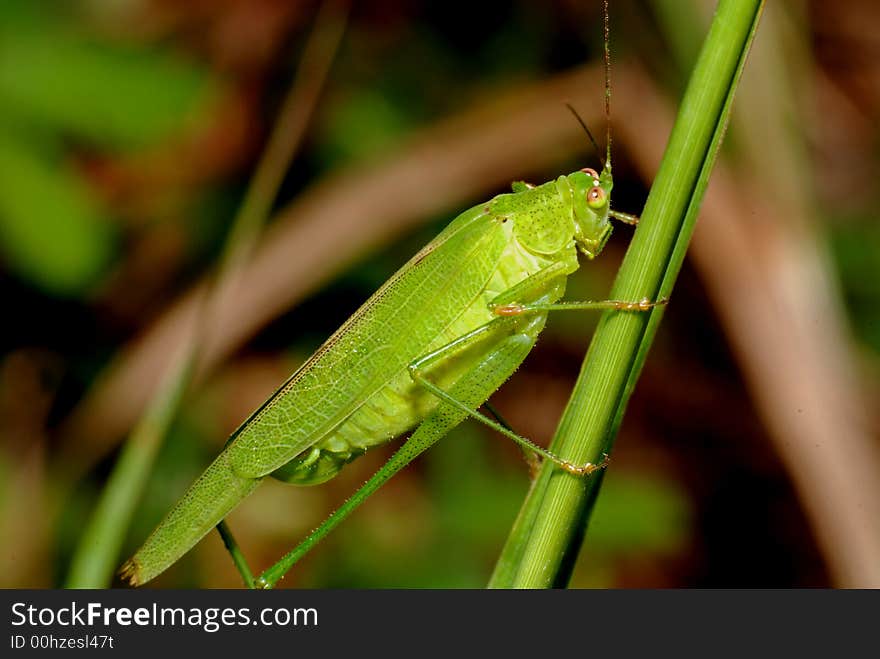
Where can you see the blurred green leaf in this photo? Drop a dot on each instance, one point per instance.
(105, 95)
(52, 230)
(855, 246)
(55, 82)
(363, 124)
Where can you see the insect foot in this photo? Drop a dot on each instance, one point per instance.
(534, 463)
(626, 218)
(508, 309)
(587, 469)
(642, 305)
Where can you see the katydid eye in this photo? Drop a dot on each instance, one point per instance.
(596, 197)
(589, 171)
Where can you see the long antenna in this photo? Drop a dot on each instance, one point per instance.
(586, 130)
(607, 87)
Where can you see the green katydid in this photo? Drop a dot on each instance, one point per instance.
(424, 352)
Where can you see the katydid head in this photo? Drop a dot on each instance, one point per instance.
(591, 197)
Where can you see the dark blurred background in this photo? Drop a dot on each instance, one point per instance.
(129, 131)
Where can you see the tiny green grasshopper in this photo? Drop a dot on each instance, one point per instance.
(424, 352)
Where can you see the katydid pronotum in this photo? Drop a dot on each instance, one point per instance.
(424, 352)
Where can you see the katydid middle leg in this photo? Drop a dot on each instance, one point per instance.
(517, 309)
(531, 458)
(533, 286)
(416, 371)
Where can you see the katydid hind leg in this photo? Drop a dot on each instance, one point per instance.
(472, 389)
(425, 435)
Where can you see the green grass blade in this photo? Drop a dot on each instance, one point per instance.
(97, 553)
(547, 534)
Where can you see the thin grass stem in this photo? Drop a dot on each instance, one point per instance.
(97, 552)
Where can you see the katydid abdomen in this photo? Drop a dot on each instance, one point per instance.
(358, 391)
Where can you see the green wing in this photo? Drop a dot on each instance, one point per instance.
(391, 329)
(386, 334)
